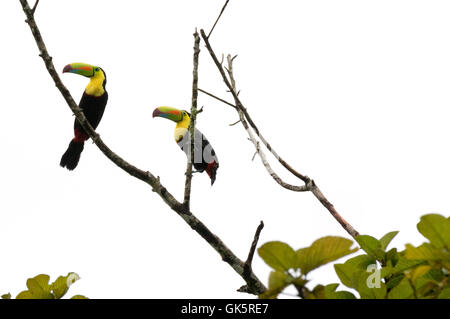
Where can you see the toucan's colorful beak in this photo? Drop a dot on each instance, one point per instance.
(156, 112)
(167, 112)
(80, 68)
(67, 68)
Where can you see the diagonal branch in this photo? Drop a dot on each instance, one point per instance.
(217, 98)
(191, 157)
(244, 116)
(240, 106)
(252, 138)
(218, 18)
(248, 262)
(227, 255)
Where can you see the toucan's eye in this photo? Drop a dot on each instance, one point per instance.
(97, 69)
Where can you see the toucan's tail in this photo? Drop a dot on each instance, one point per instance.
(71, 157)
(211, 170)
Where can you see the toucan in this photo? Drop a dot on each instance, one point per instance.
(205, 158)
(92, 103)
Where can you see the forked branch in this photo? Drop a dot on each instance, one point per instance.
(256, 286)
(247, 122)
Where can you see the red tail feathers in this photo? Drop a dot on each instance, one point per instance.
(211, 170)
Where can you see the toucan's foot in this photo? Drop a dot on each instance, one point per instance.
(193, 172)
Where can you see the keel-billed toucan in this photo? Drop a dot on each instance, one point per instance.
(205, 158)
(92, 103)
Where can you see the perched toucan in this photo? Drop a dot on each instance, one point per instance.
(205, 158)
(92, 103)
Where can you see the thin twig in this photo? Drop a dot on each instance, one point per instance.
(233, 124)
(217, 98)
(232, 86)
(240, 106)
(34, 7)
(215, 242)
(310, 185)
(248, 262)
(217, 20)
(191, 130)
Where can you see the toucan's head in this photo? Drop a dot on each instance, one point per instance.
(87, 70)
(83, 69)
(170, 113)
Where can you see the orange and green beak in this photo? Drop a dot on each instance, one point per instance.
(170, 113)
(81, 69)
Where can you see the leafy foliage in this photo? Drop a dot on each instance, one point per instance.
(287, 262)
(415, 273)
(40, 288)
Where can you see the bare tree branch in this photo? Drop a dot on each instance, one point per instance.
(218, 18)
(233, 124)
(252, 138)
(217, 98)
(248, 263)
(244, 116)
(188, 183)
(34, 7)
(227, 255)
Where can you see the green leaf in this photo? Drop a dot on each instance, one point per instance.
(38, 288)
(323, 251)
(426, 252)
(386, 239)
(402, 291)
(445, 293)
(6, 296)
(405, 264)
(278, 255)
(394, 281)
(361, 261)
(330, 288)
(435, 275)
(352, 267)
(278, 279)
(61, 285)
(317, 293)
(371, 246)
(436, 229)
(418, 272)
(25, 295)
(364, 286)
(277, 282)
(331, 293)
(345, 274)
(79, 297)
(392, 257)
(386, 271)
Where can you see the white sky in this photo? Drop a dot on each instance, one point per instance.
(355, 94)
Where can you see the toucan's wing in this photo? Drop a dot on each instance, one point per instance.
(93, 108)
(204, 154)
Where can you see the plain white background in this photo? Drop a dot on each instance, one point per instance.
(352, 93)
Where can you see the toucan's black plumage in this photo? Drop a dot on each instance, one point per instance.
(205, 158)
(93, 103)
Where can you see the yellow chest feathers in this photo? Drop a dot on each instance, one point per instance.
(95, 86)
(181, 128)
